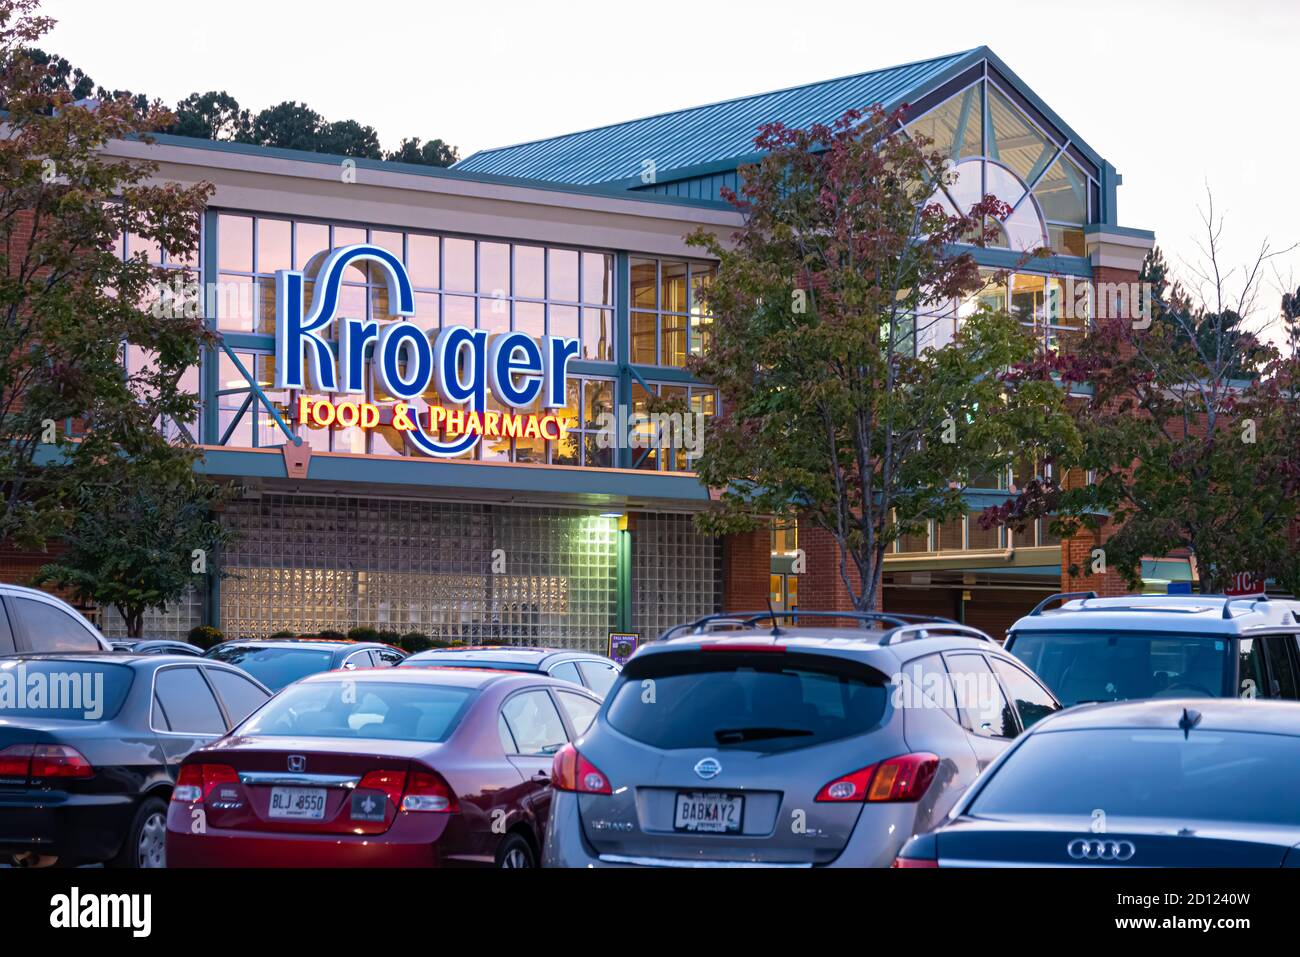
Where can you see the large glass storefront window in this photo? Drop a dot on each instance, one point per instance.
(671, 441)
(498, 286)
(669, 317)
(177, 273)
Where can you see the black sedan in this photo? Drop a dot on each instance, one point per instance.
(278, 662)
(1159, 783)
(90, 745)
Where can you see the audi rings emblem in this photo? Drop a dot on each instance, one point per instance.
(1082, 849)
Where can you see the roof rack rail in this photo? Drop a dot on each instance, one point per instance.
(1253, 599)
(1062, 596)
(913, 632)
(748, 618)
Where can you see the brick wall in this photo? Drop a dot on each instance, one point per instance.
(821, 587)
(746, 570)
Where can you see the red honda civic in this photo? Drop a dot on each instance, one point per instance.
(414, 767)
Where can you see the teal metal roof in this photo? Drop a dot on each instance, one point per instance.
(702, 135)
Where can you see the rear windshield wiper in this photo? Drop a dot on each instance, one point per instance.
(735, 735)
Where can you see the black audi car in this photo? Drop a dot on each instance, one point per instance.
(1195, 782)
(90, 745)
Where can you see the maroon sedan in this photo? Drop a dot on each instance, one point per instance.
(413, 767)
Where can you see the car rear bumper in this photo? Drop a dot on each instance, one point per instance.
(879, 834)
(76, 828)
(412, 841)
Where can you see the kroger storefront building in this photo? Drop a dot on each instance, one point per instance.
(436, 386)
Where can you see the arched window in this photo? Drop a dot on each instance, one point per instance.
(993, 146)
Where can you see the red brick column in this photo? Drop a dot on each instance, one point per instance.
(746, 570)
(821, 586)
(1076, 552)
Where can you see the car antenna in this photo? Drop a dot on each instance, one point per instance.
(1189, 720)
(776, 629)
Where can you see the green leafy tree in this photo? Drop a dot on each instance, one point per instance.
(829, 407)
(431, 153)
(1189, 432)
(69, 302)
(143, 532)
(212, 116)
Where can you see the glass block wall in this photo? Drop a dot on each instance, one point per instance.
(175, 622)
(452, 571)
(676, 573)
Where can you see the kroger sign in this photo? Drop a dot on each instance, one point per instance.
(460, 363)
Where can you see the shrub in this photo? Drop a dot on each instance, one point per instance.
(205, 636)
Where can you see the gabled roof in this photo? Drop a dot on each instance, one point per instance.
(713, 134)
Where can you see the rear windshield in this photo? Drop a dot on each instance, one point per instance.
(1207, 776)
(1086, 666)
(76, 690)
(275, 667)
(745, 701)
(397, 711)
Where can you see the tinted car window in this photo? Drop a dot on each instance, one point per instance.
(979, 698)
(7, 645)
(274, 666)
(534, 723)
(240, 696)
(358, 659)
(386, 658)
(600, 677)
(1151, 773)
(1281, 652)
(396, 711)
(49, 628)
(567, 671)
(1109, 666)
(187, 702)
(752, 701)
(1252, 679)
(580, 709)
(929, 676)
(1032, 701)
(73, 689)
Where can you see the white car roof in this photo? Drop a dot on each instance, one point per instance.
(1203, 614)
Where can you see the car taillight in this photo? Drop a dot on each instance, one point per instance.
(391, 783)
(428, 791)
(44, 762)
(913, 862)
(196, 781)
(59, 761)
(570, 771)
(851, 787)
(16, 761)
(904, 778)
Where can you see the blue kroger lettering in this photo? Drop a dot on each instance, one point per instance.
(460, 363)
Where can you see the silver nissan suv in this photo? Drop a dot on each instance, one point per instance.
(786, 745)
